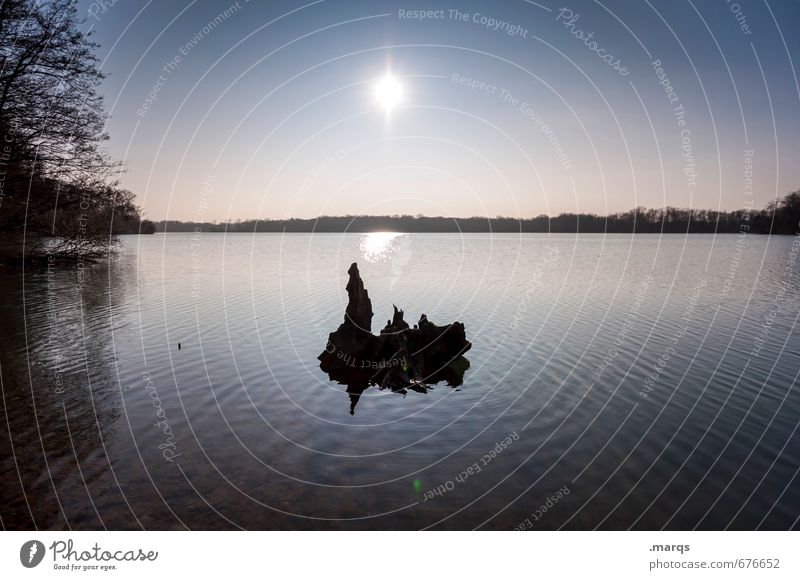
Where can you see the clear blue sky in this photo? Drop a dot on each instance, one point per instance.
(269, 110)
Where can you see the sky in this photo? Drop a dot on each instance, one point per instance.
(233, 110)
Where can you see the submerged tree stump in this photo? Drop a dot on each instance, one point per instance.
(400, 357)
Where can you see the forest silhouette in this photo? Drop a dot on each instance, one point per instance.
(778, 217)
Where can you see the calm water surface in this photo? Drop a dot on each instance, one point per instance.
(651, 379)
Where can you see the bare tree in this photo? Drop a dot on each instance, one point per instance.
(56, 194)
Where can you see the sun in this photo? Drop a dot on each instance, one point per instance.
(388, 92)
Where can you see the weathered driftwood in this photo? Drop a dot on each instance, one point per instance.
(398, 358)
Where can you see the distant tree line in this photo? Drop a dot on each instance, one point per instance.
(58, 197)
(781, 217)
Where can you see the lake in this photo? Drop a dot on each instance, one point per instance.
(614, 382)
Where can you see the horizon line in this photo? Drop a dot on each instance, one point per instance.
(471, 217)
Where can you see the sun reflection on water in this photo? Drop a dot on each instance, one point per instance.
(377, 246)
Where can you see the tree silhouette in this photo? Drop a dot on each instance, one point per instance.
(781, 217)
(57, 197)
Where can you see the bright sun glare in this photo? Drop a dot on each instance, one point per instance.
(377, 246)
(388, 92)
